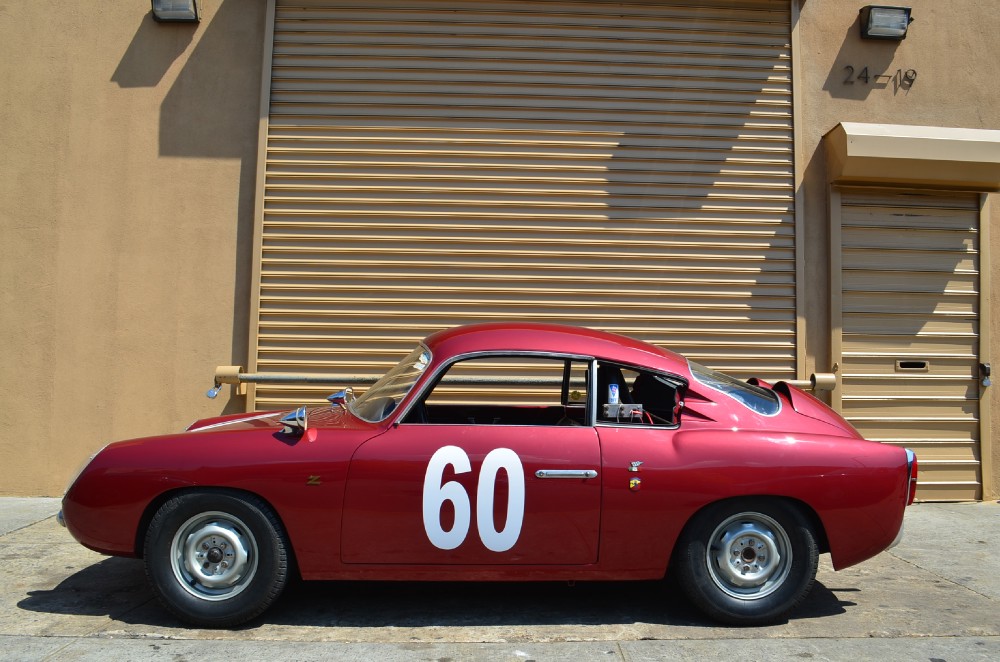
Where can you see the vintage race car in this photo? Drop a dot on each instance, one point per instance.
(505, 452)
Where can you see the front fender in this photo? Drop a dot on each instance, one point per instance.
(301, 478)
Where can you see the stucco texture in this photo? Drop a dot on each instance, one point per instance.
(952, 48)
(127, 201)
(128, 166)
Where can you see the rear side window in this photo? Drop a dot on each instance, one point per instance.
(631, 396)
(754, 398)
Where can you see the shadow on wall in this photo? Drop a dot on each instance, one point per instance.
(210, 111)
(864, 66)
(152, 51)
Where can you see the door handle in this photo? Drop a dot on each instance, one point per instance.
(566, 473)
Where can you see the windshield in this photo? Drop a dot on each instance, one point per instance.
(754, 398)
(381, 399)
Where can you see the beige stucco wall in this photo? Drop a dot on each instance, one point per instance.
(127, 190)
(953, 48)
(126, 215)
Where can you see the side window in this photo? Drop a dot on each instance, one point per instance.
(507, 390)
(629, 396)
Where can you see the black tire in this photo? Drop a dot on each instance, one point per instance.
(216, 559)
(748, 561)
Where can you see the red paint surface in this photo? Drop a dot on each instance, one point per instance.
(349, 493)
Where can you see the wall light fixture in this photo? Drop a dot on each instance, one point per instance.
(175, 11)
(882, 22)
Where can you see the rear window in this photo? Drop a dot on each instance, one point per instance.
(754, 398)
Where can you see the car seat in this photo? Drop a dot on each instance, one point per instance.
(608, 374)
(657, 397)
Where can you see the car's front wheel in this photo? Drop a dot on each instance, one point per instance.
(747, 562)
(216, 559)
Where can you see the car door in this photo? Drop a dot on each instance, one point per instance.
(481, 483)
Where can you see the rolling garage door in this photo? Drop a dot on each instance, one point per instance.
(909, 348)
(624, 166)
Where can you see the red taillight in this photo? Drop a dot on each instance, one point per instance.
(911, 463)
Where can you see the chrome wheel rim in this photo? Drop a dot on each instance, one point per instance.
(214, 556)
(749, 556)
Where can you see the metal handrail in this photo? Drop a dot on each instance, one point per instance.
(231, 374)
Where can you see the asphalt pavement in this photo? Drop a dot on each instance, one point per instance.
(936, 596)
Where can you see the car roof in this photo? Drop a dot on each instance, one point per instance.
(552, 338)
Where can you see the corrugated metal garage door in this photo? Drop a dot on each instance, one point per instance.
(625, 166)
(910, 343)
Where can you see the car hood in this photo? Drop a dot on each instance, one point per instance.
(252, 420)
(321, 416)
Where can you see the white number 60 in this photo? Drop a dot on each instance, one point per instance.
(435, 494)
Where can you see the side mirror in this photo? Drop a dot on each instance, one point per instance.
(295, 422)
(342, 398)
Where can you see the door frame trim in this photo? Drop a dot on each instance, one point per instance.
(989, 399)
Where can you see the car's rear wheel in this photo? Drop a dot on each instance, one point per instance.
(747, 562)
(216, 559)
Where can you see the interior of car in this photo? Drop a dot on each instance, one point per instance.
(544, 391)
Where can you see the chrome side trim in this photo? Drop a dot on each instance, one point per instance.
(234, 422)
(566, 473)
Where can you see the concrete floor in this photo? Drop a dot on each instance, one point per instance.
(935, 596)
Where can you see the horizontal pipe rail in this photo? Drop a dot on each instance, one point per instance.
(235, 375)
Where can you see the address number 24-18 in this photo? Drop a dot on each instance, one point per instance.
(436, 494)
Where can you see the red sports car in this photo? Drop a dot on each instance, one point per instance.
(505, 452)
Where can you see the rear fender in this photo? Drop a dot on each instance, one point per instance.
(856, 489)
